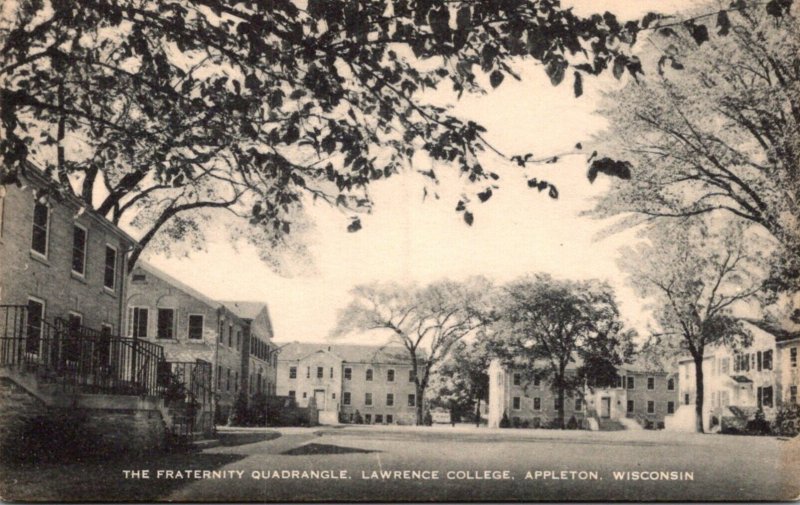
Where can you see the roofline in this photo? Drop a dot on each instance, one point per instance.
(36, 176)
(182, 286)
(789, 341)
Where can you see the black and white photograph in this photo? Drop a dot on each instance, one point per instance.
(399, 251)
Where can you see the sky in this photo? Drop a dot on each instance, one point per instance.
(518, 231)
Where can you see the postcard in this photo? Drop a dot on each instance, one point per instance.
(399, 251)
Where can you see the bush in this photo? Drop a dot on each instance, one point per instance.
(239, 415)
(515, 422)
(257, 411)
(55, 436)
(572, 424)
(358, 419)
(504, 422)
(428, 419)
(526, 424)
(758, 425)
(787, 421)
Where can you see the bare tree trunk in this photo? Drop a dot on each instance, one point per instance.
(699, 388)
(478, 413)
(561, 406)
(420, 391)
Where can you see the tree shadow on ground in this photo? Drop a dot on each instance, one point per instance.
(315, 449)
(104, 481)
(234, 439)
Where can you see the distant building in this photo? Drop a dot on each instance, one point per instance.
(639, 394)
(375, 381)
(261, 362)
(191, 326)
(737, 383)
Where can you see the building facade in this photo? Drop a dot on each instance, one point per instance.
(260, 365)
(373, 382)
(639, 394)
(60, 259)
(738, 382)
(191, 326)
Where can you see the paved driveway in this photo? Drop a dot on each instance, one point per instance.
(458, 464)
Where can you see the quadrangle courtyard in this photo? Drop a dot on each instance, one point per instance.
(444, 463)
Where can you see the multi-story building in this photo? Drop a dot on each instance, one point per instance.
(376, 382)
(59, 258)
(261, 363)
(190, 326)
(638, 393)
(737, 382)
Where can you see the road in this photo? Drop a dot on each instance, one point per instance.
(452, 465)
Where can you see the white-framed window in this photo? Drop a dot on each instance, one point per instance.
(369, 374)
(138, 316)
(292, 372)
(389, 399)
(631, 383)
(670, 407)
(40, 235)
(516, 403)
(165, 327)
(651, 383)
(630, 405)
(537, 403)
(670, 384)
(390, 375)
(517, 379)
(196, 322)
(346, 398)
(578, 404)
(651, 407)
(367, 398)
(411, 375)
(80, 237)
(412, 400)
(320, 372)
(110, 273)
(34, 324)
(348, 373)
(793, 357)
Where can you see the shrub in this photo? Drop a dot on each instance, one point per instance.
(504, 422)
(515, 422)
(239, 415)
(526, 424)
(758, 425)
(358, 419)
(787, 421)
(55, 436)
(572, 423)
(257, 411)
(428, 419)
(537, 422)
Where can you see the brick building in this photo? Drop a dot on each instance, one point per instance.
(375, 381)
(191, 326)
(640, 394)
(59, 258)
(261, 363)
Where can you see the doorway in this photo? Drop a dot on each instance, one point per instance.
(319, 398)
(605, 407)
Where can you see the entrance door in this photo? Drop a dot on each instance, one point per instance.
(605, 407)
(319, 398)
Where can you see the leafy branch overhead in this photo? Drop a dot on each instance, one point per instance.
(167, 110)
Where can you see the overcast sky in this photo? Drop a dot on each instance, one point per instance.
(518, 231)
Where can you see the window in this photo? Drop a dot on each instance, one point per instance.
(110, 277)
(292, 372)
(348, 373)
(320, 372)
(537, 403)
(517, 379)
(368, 418)
(308, 372)
(651, 407)
(305, 394)
(368, 399)
(378, 418)
(390, 375)
(767, 396)
(578, 404)
(166, 324)
(390, 400)
(792, 394)
(686, 399)
(34, 325)
(137, 278)
(346, 398)
(331, 372)
(671, 385)
(389, 419)
(630, 405)
(411, 376)
(767, 359)
(333, 396)
(219, 376)
(41, 229)
(195, 326)
(651, 383)
(138, 319)
(79, 250)
(752, 361)
(793, 357)
(758, 361)
(236, 382)
(618, 381)
(516, 403)
(412, 400)
(228, 380)
(292, 393)
(724, 365)
(230, 335)
(631, 384)
(369, 374)
(238, 339)
(670, 407)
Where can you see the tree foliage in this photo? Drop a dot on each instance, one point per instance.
(461, 381)
(696, 275)
(567, 333)
(169, 110)
(715, 128)
(427, 321)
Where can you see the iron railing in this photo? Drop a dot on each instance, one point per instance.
(82, 359)
(187, 390)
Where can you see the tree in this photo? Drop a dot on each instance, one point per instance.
(461, 381)
(158, 113)
(714, 129)
(426, 321)
(567, 333)
(695, 274)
